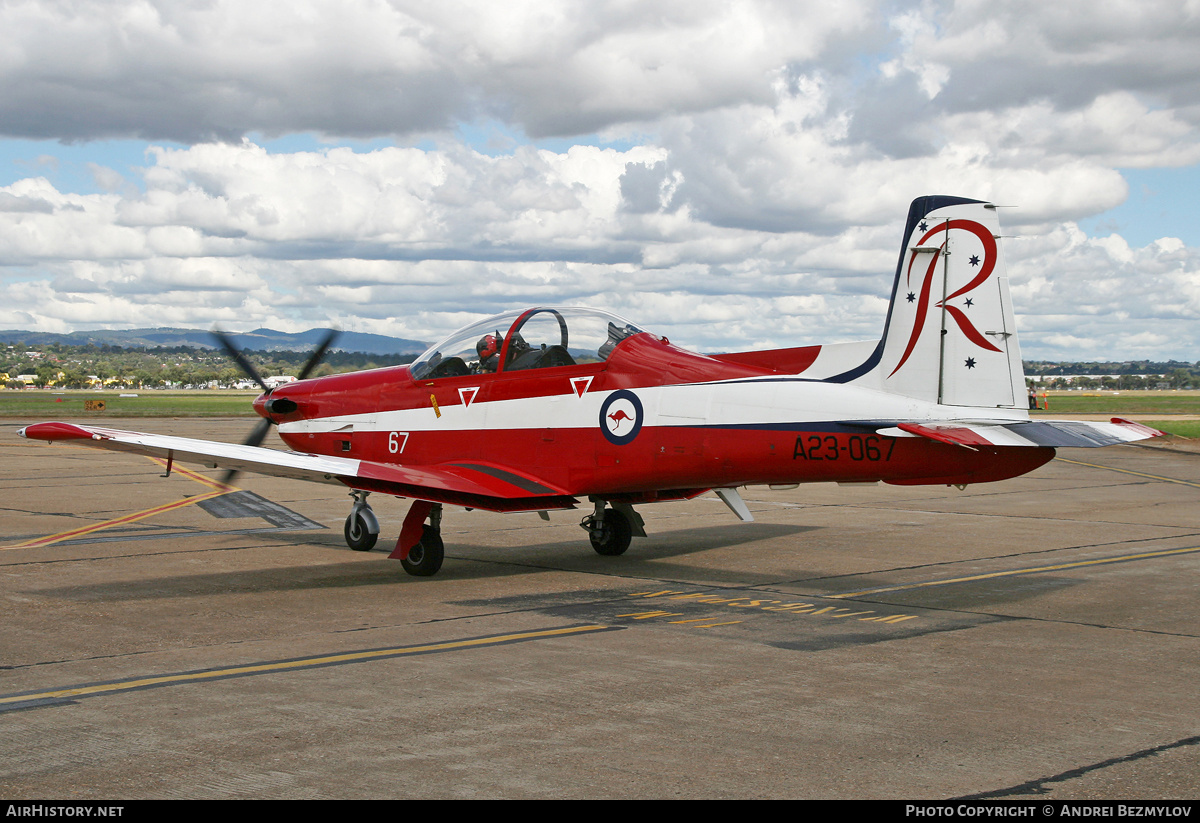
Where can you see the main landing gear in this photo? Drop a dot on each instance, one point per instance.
(425, 554)
(425, 558)
(420, 550)
(610, 529)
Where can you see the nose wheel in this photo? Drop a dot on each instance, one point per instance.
(362, 528)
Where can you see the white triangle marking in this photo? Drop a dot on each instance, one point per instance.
(467, 395)
(580, 385)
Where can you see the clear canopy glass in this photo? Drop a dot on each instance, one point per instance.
(529, 339)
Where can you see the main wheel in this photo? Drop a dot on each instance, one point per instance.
(613, 537)
(358, 536)
(425, 558)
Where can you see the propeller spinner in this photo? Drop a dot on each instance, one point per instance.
(270, 406)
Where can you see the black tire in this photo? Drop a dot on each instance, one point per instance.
(613, 537)
(358, 537)
(425, 558)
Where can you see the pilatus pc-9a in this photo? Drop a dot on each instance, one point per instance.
(554, 408)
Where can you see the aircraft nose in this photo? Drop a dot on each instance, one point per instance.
(260, 405)
(273, 405)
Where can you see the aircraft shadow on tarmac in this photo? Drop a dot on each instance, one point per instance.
(651, 558)
(660, 556)
(953, 594)
(467, 563)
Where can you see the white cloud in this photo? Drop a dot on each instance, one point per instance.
(221, 69)
(769, 154)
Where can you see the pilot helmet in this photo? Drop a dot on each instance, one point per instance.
(486, 347)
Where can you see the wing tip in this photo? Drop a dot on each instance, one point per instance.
(1145, 431)
(51, 432)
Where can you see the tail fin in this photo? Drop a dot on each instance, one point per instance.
(950, 335)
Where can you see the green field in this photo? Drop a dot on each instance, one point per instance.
(1178, 428)
(35, 405)
(1142, 406)
(1123, 403)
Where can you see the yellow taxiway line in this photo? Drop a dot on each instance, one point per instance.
(1015, 572)
(89, 690)
(218, 490)
(1130, 471)
(1039, 569)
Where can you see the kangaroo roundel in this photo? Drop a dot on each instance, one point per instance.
(621, 417)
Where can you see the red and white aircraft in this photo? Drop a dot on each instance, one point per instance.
(549, 407)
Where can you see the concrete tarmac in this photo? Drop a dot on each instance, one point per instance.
(1036, 638)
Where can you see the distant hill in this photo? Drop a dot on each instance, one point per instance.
(260, 339)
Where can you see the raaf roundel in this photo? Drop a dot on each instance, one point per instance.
(547, 408)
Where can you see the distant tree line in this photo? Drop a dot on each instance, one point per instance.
(1125, 375)
(91, 366)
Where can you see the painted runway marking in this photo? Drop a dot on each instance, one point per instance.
(218, 490)
(1130, 471)
(1125, 558)
(25, 699)
(755, 604)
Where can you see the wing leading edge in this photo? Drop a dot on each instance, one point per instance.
(470, 484)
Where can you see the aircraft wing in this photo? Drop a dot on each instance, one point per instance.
(472, 484)
(1053, 433)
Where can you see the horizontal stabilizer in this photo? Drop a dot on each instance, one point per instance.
(1057, 434)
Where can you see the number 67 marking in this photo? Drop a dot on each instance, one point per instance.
(397, 442)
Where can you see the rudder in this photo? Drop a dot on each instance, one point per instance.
(950, 335)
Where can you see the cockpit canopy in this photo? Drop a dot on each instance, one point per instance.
(529, 339)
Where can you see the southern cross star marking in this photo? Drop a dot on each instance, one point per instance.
(974, 261)
(970, 302)
(911, 297)
(970, 362)
(924, 226)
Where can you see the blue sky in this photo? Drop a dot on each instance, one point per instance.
(1161, 203)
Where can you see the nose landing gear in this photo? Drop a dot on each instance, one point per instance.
(362, 527)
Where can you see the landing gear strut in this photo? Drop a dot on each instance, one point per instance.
(362, 527)
(609, 529)
(424, 556)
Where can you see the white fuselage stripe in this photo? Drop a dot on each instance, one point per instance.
(741, 403)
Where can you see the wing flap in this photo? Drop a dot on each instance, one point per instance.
(474, 485)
